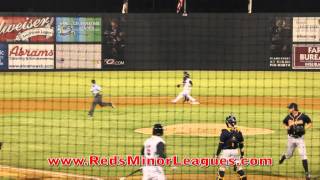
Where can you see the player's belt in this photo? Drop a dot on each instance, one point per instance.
(295, 136)
(229, 148)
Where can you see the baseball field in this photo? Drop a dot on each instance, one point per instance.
(44, 114)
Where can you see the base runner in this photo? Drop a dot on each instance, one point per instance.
(154, 147)
(296, 123)
(96, 91)
(185, 94)
(231, 141)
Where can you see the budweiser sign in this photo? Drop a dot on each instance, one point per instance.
(30, 29)
(31, 56)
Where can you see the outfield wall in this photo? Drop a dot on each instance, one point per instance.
(55, 42)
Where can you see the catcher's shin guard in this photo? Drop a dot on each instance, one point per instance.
(220, 175)
(242, 175)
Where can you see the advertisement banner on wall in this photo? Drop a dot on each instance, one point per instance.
(31, 56)
(78, 29)
(78, 56)
(3, 56)
(306, 56)
(26, 29)
(306, 29)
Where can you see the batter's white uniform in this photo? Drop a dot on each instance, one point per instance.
(187, 86)
(150, 151)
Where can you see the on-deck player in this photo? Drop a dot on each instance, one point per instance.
(187, 86)
(96, 91)
(296, 123)
(154, 147)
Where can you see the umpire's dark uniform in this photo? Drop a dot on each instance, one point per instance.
(95, 89)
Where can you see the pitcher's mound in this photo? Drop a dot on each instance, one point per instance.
(202, 130)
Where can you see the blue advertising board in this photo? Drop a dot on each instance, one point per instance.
(3, 56)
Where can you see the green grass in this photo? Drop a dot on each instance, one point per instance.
(160, 83)
(30, 138)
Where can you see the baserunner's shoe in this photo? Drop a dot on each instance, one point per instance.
(282, 158)
(112, 105)
(308, 176)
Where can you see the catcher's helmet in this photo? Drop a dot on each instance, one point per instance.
(157, 130)
(231, 120)
(293, 106)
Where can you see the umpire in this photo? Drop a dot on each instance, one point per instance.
(96, 91)
(296, 123)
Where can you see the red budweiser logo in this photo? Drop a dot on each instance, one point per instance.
(19, 51)
(29, 23)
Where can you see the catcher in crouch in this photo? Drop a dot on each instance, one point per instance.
(230, 140)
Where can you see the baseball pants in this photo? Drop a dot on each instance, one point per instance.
(294, 143)
(98, 101)
(184, 93)
(153, 173)
(228, 154)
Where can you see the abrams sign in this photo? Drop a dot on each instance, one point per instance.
(306, 56)
(31, 56)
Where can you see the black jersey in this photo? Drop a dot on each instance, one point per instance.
(231, 138)
(300, 120)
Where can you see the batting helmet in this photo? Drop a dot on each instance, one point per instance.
(293, 106)
(157, 130)
(231, 120)
(185, 73)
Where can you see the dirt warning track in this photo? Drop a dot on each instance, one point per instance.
(56, 104)
(213, 176)
(8, 172)
(34, 174)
